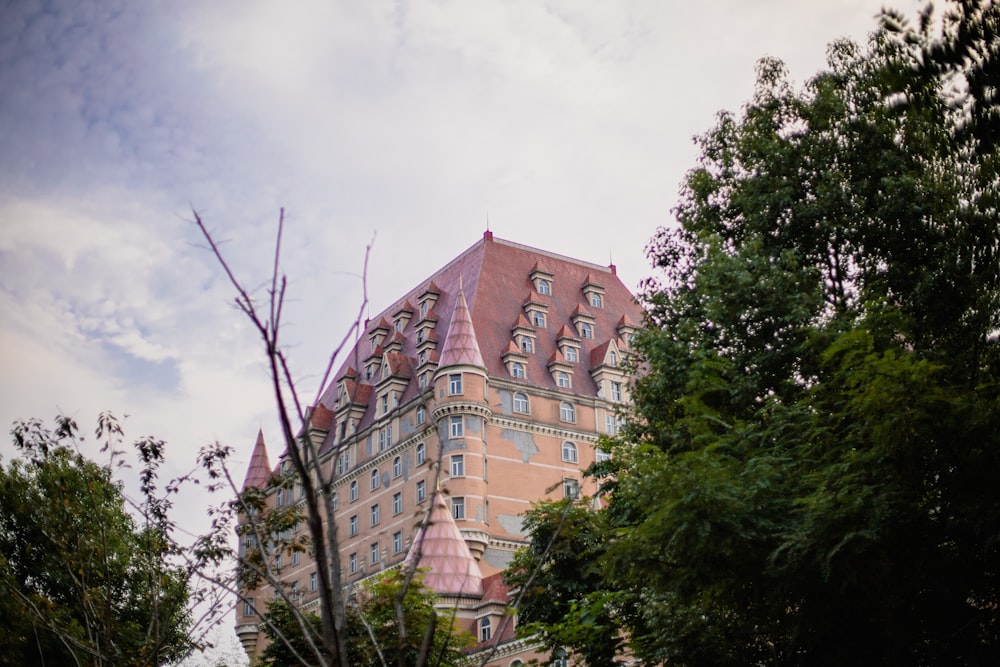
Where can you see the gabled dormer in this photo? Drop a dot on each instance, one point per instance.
(593, 292)
(516, 361)
(561, 370)
(536, 308)
(607, 371)
(569, 344)
(584, 321)
(402, 316)
(426, 301)
(372, 364)
(395, 342)
(627, 329)
(426, 338)
(541, 279)
(523, 334)
(377, 334)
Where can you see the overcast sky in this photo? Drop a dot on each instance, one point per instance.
(567, 124)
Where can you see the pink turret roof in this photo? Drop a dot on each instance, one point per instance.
(259, 470)
(461, 346)
(439, 546)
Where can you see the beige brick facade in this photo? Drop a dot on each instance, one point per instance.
(492, 381)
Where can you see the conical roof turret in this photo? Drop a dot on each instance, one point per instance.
(259, 470)
(461, 347)
(440, 547)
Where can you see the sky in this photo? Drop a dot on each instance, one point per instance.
(413, 125)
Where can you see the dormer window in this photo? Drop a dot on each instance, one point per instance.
(563, 380)
(527, 345)
(422, 380)
(586, 330)
(517, 370)
(571, 353)
(544, 287)
(596, 300)
(538, 319)
(423, 309)
(368, 372)
(612, 358)
(399, 324)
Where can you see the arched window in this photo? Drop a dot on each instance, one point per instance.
(527, 344)
(485, 629)
(421, 453)
(569, 452)
(571, 354)
(374, 477)
(544, 287)
(397, 467)
(567, 412)
(354, 490)
(521, 403)
(562, 379)
(517, 369)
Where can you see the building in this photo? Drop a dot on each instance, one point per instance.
(492, 381)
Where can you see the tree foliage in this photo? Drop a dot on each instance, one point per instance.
(81, 581)
(809, 473)
(375, 635)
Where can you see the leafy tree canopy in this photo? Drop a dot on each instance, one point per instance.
(376, 637)
(80, 582)
(809, 475)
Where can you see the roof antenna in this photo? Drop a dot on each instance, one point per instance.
(487, 220)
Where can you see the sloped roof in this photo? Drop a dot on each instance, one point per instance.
(259, 469)
(439, 547)
(494, 276)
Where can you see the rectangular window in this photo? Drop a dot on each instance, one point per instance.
(313, 582)
(571, 488)
(457, 427)
(354, 490)
(397, 503)
(397, 542)
(336, 501)
(601, 455)
(421, 414)
(458, 508)
(352, 563)
(280, 498)
(455, 383)
(421, 453)
(421, 491)
(373, 553)
(388, 435)
(248, 608)
(354, 525)
(616, 391)
(381, 440)
(458, 465)
(375, 514)
(385, 404)
(296, 557)
(611, 424)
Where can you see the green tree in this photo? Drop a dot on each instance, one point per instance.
(375, 635)
(82, 582)
(809, 473)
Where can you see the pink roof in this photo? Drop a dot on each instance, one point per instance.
(439, 546)
(461, 346)
(493, 275)
(259, 470)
